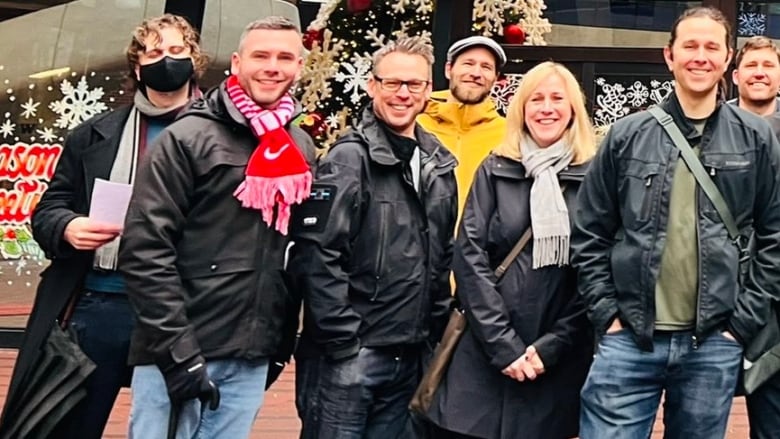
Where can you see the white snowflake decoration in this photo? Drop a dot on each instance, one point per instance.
(637, 94)
(7, 128)
(47, 134)
(30, 108)
(660, 90)
(77, 104)
(332, 120)
(355, 77)
(503, 91)
(20, 266)
(611, 103)
(751, 23)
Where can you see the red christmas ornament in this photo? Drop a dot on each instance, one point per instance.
(10, 234)
(514, 34)
(357, 6)
(312, 36)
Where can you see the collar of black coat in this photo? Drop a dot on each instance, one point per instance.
(380, 147)
(672, 106)
(507, 168)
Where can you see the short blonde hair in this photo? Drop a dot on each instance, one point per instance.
(408, 45)
(579, 134)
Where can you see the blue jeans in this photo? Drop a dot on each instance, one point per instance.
(241, 386)
(763, 407)
(365, 396)
(103, 323)
(623, 389)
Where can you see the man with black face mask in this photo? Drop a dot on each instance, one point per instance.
(164, 59)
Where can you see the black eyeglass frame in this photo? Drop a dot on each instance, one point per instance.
(410, 84)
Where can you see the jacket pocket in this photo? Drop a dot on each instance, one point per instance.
(638, 187)
(379, 258)
(221, 156)
(735, 181)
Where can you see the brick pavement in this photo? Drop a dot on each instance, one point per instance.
(278, 420)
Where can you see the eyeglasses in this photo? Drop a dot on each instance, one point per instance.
(413, 85)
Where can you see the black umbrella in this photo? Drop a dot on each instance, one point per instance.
(50, 390)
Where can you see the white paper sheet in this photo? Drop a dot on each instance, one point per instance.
(109, 201)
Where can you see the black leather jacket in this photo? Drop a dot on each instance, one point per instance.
(621, 224)
(375, 271)
(204, 274)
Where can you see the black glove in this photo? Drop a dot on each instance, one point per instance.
(190, 380)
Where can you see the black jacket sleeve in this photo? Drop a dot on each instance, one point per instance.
(56, 207)
(754, 304)
(568, 333)
(485, 309)
(320, 255)
(155, 218)
(596, 222)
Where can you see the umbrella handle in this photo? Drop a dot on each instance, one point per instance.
(173, 420)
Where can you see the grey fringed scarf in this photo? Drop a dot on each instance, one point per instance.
(549, 215)
(125, 163)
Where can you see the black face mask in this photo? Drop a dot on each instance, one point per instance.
(167, 74)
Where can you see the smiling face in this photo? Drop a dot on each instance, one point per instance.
(399, 108)
(472, 75)
(267, 63)
(548, 111)
(758, 75)
(698, 57)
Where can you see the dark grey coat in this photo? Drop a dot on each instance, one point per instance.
(88, 153)
(539, 307)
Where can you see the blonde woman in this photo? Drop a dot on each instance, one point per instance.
(518, 369)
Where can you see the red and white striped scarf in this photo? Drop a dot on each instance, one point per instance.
(277, 174)
(260, 119)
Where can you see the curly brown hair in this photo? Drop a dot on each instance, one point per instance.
(152, 26)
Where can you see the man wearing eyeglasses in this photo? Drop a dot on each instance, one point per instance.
(373, 246)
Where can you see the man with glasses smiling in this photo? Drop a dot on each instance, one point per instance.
(372, 255)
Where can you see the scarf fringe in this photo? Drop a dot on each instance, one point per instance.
(551, 250)
(264, 194)
(107, 255)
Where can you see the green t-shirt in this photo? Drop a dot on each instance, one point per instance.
(676, 289)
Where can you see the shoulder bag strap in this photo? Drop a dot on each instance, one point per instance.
(521, 243)
(694, 164)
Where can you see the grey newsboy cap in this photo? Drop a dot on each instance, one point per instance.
(461, 46)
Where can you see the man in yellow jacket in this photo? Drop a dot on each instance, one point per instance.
(464, 118)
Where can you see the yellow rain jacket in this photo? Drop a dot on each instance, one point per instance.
(470, 132)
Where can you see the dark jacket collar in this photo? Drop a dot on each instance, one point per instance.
(672, 106)
(508, 168)
(379, 147)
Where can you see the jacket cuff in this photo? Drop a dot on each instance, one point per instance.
(603, 315)
(59, 246)
(183, 349)
(545, 347)
(343, 351)
(738, 333)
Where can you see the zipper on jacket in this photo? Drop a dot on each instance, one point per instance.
(647, 201)
(380, 250)
(694, 339)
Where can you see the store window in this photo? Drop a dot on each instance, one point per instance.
(612, 23)
(60, 64)
(758, 18)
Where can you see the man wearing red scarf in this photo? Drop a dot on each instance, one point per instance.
(204, 245)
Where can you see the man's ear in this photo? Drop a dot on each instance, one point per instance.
(235, 62)
(448, 70)
(371, 86)
(668, 57)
